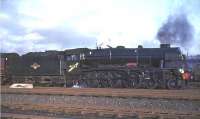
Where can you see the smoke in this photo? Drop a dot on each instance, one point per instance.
(177, 30)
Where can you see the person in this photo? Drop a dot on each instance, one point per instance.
(186, 77)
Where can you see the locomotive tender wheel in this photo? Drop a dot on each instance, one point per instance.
(172, 84)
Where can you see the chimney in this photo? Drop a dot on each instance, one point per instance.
(140, 46)
(164, 45)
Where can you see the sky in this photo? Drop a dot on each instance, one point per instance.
(40, 25)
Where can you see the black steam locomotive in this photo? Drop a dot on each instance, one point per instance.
(127, 68)
(118, 67)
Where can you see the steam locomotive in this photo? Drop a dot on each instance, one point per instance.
(118, 67)
(127, 68)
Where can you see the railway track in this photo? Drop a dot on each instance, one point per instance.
(103, 102)
(24, 116)
(56, 111)
(187, 94)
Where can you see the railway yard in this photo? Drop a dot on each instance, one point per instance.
(83, 103)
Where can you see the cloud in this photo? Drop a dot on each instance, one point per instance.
(33, 36)
(4, 16)
(38, 25)
(23, 32)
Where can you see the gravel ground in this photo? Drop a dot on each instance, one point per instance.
(107, 102)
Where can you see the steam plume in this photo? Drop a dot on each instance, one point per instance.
(177, 30)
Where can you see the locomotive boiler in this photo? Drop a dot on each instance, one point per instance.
(126, 68)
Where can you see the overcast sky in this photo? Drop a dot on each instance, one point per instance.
(39, 25)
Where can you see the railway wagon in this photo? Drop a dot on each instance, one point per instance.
(126, 68)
